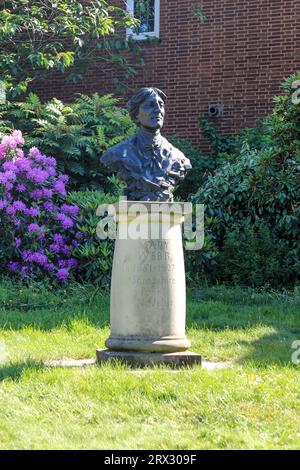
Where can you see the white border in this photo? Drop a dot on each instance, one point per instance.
(140, 37)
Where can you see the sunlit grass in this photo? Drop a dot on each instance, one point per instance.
(254, 404)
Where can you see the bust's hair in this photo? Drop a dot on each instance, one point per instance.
(143, 93)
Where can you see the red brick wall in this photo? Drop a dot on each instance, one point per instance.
(237, 58)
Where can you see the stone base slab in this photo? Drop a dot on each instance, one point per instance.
(147, 359)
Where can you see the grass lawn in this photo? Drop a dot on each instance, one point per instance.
(253, 404)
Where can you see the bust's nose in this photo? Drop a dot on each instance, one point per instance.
(157, 106)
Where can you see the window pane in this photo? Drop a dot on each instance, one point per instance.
(144, 10)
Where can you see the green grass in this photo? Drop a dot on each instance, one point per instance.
(254, 404)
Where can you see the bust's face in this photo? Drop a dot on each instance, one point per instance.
(152, 112)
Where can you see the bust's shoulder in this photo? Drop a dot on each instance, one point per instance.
(175, 153)
(118, 152)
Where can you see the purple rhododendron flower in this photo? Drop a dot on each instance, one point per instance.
(79, 235)
(17, 242)
(49, 206)
(7, 176)
(51, 171)
(8, 186)
(25, 182)
(16, 222)
(34, 228)
(10, 210)
(65, 250)
(63, 178)
(19, 206)
(20, 188)
(47, 193)
(52, 162)
(62, 274)
(66, 221)
(68, 263)
(58, 238)
(37, 194)
(32, 211)
(70, 209)
(13, 266)
(37, 175)
(39, 258)
(24, 272)
(24, 164)
(10, 166)
(34, 152)
(49, 267)
(55, 247)
(59, 187)
(26, 255)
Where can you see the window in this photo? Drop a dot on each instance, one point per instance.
(147, 11)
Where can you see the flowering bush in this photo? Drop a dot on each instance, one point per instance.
(38, 227)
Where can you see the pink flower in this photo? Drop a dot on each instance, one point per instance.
(2, 151)
(9, 143)
(34, 152)
(20, 153)
(17, 136)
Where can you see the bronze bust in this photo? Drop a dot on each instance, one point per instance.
(147, 162)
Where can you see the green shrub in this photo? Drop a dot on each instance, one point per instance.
(202, 166)
(255, 203)
(251, 257)
(76, 134)
(94, 256)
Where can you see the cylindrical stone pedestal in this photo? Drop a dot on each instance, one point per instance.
(148, 292)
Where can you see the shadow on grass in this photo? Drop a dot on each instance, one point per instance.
(233, 310)
(15, 371)
(268, 350)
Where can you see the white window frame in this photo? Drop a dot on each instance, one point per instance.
(141, 36)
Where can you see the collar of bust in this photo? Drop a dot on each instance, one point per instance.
(149, 139)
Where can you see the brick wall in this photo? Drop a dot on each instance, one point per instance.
(237, 58)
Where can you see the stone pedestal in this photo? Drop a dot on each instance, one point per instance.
(148, 293)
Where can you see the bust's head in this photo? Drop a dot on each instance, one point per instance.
(147, 108)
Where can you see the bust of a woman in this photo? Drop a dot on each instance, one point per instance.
(147, 162)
